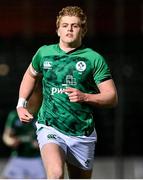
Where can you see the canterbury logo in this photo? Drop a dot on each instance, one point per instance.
(87, 162)
(51, 136)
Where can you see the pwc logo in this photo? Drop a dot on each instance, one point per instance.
(55, 90)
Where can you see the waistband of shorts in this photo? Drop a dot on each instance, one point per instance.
(85, 133)
(89, 132)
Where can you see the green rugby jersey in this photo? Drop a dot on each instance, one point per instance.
(82, 69)
(26, 133)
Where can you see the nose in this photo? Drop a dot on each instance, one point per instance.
(70, 28)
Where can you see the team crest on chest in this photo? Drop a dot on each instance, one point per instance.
(81, 66)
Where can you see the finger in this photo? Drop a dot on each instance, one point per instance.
(73, 94)
(24, 120)
(26, 117)
(73, 98)
(69, 90)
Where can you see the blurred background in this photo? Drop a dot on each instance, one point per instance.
(115, 29)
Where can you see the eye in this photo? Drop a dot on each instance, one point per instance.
(64, 25)
(76, 26)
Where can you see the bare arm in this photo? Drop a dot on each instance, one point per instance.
(26, 88)
(9, 138)
(106, 98)
(13, 141)
(27, 84)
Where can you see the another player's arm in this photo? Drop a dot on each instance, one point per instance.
(35, 144)
(106, 98)
(26, 88)
(9, 138)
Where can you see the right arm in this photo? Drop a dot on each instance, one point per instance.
(25, 91)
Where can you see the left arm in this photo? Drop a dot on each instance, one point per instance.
(106, 98)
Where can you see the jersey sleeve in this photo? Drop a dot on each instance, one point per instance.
(36, 61)
(102, 71)
(10, 119)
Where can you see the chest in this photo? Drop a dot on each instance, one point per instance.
(69, 70)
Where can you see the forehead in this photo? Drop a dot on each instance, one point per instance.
(70, 19)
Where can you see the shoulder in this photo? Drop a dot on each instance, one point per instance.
(47, 47)
(43, 50)
(12, 117)
(93, 56)
(13, 114)
(93, 53)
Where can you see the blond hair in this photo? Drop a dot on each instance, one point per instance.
(73, 11)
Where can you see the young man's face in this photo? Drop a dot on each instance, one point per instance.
(70, 30)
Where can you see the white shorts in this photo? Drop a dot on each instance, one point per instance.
(22, 168)
(79, 150)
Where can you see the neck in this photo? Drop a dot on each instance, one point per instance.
(69, 47)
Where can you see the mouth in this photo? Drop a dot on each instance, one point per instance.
(69, 35)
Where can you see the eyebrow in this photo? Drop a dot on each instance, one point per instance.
(71, 23)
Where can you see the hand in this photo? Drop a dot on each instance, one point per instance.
(75, 95)
(24, 115)
(15, 142)
(35, 144)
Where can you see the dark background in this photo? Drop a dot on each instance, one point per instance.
(115, 29)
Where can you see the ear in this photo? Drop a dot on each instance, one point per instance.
(83, 33)
(58, 33)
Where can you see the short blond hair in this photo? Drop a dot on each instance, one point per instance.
(73, 11)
